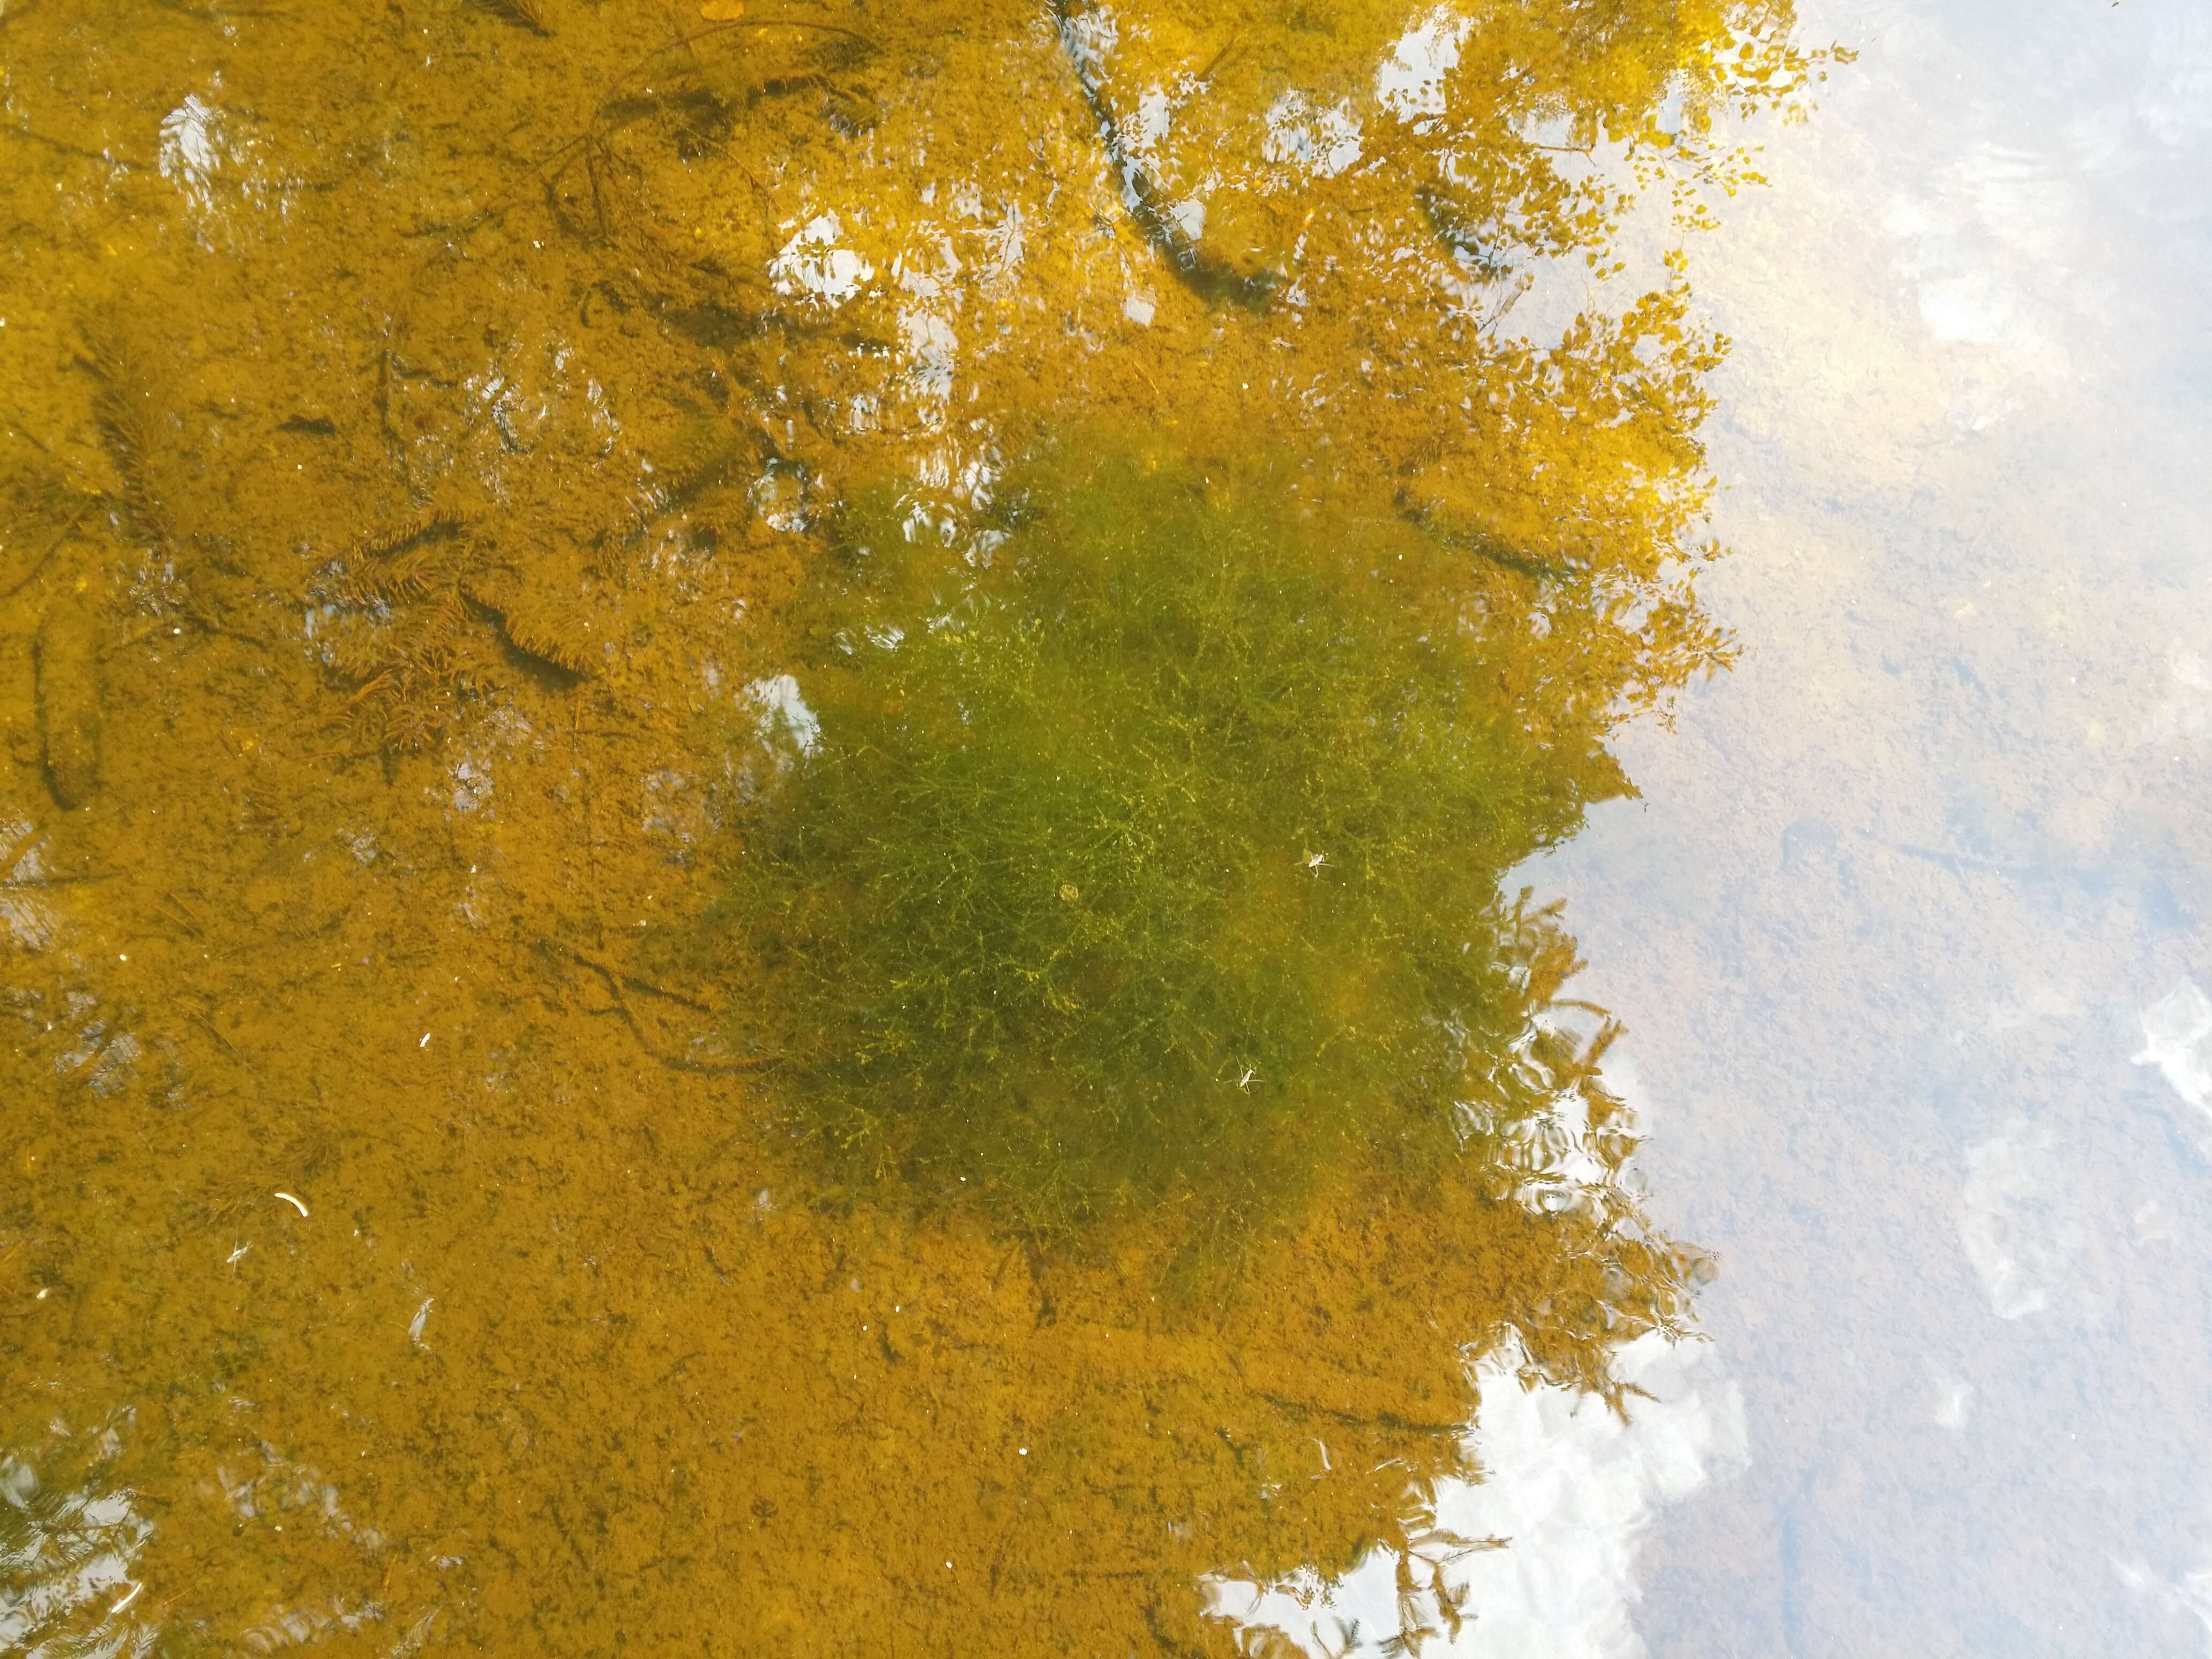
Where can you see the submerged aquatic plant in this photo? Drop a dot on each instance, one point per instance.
(1150, 853)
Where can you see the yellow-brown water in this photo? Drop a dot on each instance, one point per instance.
(419, 426)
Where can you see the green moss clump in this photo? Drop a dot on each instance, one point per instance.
(1153, 856)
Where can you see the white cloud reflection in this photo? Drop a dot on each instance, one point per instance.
(2178, 1039)
(1569, 1489)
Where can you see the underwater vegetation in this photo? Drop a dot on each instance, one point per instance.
(1148, 849)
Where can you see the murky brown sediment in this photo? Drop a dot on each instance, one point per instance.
(418, 424)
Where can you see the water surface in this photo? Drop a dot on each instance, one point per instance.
(478, 477)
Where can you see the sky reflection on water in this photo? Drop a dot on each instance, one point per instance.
(1909, 892)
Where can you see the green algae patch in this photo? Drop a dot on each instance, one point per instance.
(1147, 845)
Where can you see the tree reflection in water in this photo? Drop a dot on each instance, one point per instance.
(444, 387)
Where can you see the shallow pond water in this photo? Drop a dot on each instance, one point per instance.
(803, 803)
